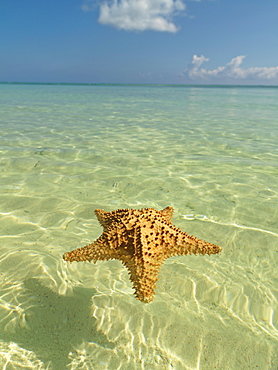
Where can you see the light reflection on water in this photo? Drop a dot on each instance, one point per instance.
(211, 154)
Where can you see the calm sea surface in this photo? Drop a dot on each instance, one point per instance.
(209, 152)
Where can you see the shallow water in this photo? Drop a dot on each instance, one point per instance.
(209, 152)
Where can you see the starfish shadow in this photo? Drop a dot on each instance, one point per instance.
(55, 325)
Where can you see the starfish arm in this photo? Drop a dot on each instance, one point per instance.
(98, 250)
(107, 219)
(103, 218)
(183, 244)
(144, 277)
(167, 213)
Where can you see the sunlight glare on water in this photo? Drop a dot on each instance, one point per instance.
(209, 152)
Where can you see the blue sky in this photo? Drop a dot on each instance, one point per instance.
(139, 41)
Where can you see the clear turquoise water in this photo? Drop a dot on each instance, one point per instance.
(209, 152)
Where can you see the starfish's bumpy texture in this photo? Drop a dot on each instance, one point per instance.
(142, 240)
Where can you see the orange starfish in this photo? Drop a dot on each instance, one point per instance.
(142, 240)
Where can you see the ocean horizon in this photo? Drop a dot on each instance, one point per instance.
(140, 84)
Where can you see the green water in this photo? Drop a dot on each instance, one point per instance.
(209, 152)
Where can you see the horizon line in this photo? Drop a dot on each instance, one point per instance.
(132, 84)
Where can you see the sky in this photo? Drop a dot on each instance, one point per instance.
(139, 41)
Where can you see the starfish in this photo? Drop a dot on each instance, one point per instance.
(142, 240)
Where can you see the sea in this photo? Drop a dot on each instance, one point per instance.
(211, 153)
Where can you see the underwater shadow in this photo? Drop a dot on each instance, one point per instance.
(55, 324)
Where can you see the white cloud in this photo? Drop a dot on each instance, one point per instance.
(89, 5)
(231, 70)
(139, 15)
